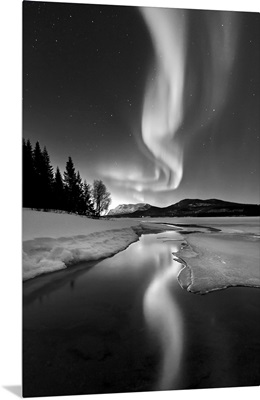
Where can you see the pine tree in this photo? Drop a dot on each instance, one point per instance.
(38, 163)
(89, 207)
(70, 183)
(58, 191)
(38, 159)
(79, 196)
(44, 190)
(47, 181)
(28, 175)
(43, 178)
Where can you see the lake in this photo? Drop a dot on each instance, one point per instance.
(125, 325)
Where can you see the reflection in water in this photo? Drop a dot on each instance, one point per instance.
(90, 324)
(164, 320)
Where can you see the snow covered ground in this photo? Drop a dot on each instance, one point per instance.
(53, 241)
(230, 257)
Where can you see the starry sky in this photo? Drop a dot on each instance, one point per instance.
(160, 104)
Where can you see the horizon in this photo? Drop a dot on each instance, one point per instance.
(95, 88)
(170, 204)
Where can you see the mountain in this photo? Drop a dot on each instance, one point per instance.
(129, 208)
(188, 208)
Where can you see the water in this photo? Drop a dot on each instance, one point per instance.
(127, 325)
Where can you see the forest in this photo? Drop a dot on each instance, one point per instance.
(46, 189)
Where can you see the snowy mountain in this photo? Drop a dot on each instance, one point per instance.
(129, 208)
(188, 208)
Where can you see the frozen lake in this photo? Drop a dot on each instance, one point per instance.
(127, 325)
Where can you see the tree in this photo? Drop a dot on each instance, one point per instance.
(58, 191)
(38, 162)
(79, 195)
(73, 189)
(43, 185)
(42, 189)
(101, 197)
(47, 180)
(28, 175)
(89, 208)
(70, 180)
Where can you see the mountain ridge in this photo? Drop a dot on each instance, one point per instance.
(187, 207)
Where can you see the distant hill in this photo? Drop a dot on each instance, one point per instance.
(188, 208)
(129, 208)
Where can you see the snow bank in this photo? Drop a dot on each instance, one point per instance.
(51, 224)
(55, 241)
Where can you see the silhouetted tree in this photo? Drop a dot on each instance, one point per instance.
(71, 186)
(89, 208)
(42, 189)
(101, 197)
(79, 195)
(28, 175)
(43, 185)
(58, 191)
(47, 181)
(38, 162)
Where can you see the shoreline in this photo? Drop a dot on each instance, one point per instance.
(89, 335)
(193, 257)
(49, 246)
(43, 255)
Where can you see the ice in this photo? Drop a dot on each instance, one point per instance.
(215, 260)
(220, 260)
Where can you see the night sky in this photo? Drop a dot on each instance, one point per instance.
(160, 104)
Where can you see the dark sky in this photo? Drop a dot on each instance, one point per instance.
(160, 104)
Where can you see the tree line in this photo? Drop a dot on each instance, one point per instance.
(48, 190)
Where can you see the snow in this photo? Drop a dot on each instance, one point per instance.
(53, 241)
(53, 224)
